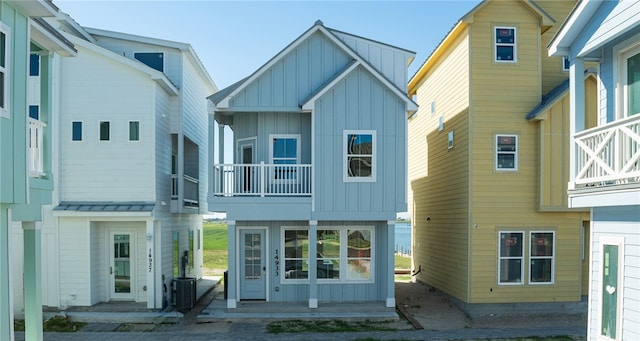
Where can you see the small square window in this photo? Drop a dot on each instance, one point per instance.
(441, 123)
(76, 131)
(450, 140)
(505, 44)
(134, 131)
(34, 112)
(104, 131)
(34, 65)
(565, 63)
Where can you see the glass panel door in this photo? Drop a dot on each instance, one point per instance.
(609, 291)
(252, 265)
(121, 269)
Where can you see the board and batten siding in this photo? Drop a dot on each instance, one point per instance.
(294, 77)
(438, 177)
(359, 102)
(390, 62)
(617, 222)
(90, 167)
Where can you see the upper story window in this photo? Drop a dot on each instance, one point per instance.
(154, 60)
(4, 70)
(34, 65)
(359, 155)
(134, 131)
(76, 131)
(104, 131)
(506, 152)
(632, 84)
(505, 44)
(285, 150)
(566, 63)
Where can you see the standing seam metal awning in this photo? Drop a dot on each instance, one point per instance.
(115, 206)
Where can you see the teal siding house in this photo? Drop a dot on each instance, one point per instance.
(318, 172)
(605, 160)
(29, 52)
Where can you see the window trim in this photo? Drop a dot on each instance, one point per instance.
(621, 52)
(619, 242)
(100, 131)
(566, 63)
(138, 132)
(345, 156)
(515, 153)
(6, 70)
(522, 262)
(283, 258)
(272, 177)
(81, 131)
(344, 257)
(553, 258)
(514, 45)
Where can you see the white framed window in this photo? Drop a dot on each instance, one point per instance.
(566, 63)
(134, 130)
(284, 150)
(359, 155)
(344, 254)
(610, 288)
(5, 46)
(510, 257)
(450, 140)
(506, 152)
(541, 257)
(105, 133)
(295, 254)
(505, 44)
(631, 84)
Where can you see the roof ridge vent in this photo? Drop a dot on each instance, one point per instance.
(319, 22)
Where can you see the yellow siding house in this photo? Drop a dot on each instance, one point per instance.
(488, 161)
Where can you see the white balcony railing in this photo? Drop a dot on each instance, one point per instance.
(190, 185)
(36, 151)
(609, 154)
(262, 180)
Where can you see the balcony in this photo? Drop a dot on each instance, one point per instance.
(36, 151)
(608, 156)
(262, 180)
(190, 191)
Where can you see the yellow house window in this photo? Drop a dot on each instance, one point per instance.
(506, 152)
(505, 44)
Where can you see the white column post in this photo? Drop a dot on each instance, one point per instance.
(231, 271)
(150, 266)
(576, 116)
(313, 264)
(391, 260)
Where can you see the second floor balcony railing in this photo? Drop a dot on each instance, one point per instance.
(36, 150)
(262, 180)
(190, 186)
(609, 155)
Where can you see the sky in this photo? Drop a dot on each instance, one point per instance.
(235, 38)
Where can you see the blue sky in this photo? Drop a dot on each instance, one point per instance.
(234, 38)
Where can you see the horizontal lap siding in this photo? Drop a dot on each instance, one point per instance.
(552, 73)
(89, 164)
(438, 177)
(75, 265)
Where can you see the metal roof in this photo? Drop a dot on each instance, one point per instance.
(106, 206)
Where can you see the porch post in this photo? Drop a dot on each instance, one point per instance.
(6, 295)
(32, 283)
(391, 284)
(313, 264)
(221, 144)
(576, 114)
(231, 271)
(150, 266)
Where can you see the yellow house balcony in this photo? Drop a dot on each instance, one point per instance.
(608, 157)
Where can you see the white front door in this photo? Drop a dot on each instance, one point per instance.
(252, 265)
(122, 265)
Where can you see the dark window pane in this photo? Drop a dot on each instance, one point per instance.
(34, 112)
(541, 270)
(359, 166)
(2, 87)
(504, 52)
(360, 144)
(510, 244)
(104, 131)
(34, 65)
(506, 143)
(542, 244)
(505, 35)
(633, 80)
(506, 161)
(134, 131)
(328, 269)
(510, 270)
(3, 49)
(76, 133)
(154, 60)
(285, 148)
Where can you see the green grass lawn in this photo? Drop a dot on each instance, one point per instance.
(215, 249)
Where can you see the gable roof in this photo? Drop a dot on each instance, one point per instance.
(457, 29)
(553, 96)
(221, 101)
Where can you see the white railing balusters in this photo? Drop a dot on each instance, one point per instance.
(609, 154)
(262, 180)
(36, 151)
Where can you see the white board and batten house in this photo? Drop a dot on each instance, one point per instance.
(132, 158)
(605, 160)
(318, 173)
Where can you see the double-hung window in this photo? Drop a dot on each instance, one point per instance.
(505, 44)
(4, 70)
(541, 257)
(296, 254)
(359, 155)
(511, 259)
(285, 155)
(506, 152)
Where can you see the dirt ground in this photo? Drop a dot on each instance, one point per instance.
(434, 311)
